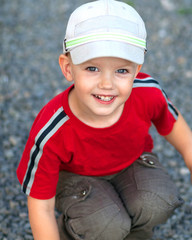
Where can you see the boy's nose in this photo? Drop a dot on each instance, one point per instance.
(106, 82)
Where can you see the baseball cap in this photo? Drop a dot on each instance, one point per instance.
(105, 28)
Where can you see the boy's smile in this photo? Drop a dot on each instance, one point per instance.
(101, 87)
(105, 99)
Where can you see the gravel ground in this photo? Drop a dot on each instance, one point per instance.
(31, 34)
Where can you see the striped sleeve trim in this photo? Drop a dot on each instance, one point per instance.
(50, 128)
(150, 82)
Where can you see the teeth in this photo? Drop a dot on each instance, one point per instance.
(104, 98)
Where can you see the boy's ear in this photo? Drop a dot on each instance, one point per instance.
(65, 65)
(138, 69)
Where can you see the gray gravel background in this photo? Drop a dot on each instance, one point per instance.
(31, 35)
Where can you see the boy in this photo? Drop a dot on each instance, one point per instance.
(90, 145)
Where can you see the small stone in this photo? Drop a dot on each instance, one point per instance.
(13, 204)
(13, 140)
(26, 94)
(172, 163)
(9, 154)
(181, 60)
(168, 5)
(184, 171)
(169, 152)
(188, 74)
(23, 215)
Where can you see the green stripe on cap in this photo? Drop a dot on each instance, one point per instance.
(71, 43)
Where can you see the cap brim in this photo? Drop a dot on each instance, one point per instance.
(92, 50)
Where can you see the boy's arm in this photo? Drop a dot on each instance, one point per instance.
(181, 138)
(42, 219)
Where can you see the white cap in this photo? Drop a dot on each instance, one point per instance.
(105, 28)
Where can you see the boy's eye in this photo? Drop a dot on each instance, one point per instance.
(122, 71)
(93, 69)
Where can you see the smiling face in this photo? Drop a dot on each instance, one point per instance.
(102, 85)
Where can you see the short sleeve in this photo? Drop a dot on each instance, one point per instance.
(164, 114)
(38, 170)
(155, 106)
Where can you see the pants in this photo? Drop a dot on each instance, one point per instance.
(127, 205)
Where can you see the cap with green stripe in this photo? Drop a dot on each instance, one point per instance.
(75, 42)
(105, 28)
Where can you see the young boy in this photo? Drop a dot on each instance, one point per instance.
(89, 147)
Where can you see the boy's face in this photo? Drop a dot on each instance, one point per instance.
(102, 85)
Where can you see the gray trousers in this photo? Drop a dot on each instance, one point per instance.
(127, 205)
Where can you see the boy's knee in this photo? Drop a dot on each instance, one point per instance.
(106, 223)
(150, 209)
(92, 210)
(155, 193)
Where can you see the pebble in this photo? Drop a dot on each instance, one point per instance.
(32, 34)
(168, 5)
(172, 163)
(184, 171)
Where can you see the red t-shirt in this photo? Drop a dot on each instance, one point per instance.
(59, 141)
